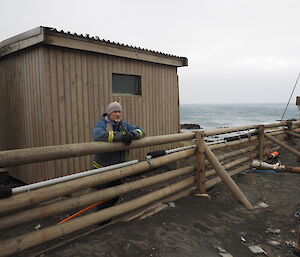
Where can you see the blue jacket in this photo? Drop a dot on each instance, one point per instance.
(109, 131)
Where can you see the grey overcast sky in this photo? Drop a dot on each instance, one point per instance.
(239, 51)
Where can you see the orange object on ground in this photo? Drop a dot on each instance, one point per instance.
(81, 211)
(273, 155)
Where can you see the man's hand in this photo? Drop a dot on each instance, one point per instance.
(127, 138)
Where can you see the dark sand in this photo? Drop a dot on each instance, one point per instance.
(197, 225)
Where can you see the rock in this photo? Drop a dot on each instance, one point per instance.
(171, 204)
(203, 195)
(37, 227)
(290, 243)
(261, 205)
(274, 231)
(220, 249)
(223, 252)
(190, 126)
(274, 243)
(256, 249)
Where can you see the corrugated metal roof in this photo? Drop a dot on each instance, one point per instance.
(96, 38)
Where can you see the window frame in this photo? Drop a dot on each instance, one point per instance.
(139, 76)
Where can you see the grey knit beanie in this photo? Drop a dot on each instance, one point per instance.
(114, 107)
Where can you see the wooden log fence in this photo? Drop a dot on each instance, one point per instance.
(89, 198)
(31, 198)
(251, 148)
(20, 243)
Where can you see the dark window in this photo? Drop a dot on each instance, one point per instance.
(126, 84)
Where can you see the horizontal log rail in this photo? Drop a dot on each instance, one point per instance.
(38, 154)
(253, 140)
(212, 182)
(232, 164)
(219, 131)
(31, 198)
(238, 161)
(235, 153)
(233, 143)
(212, 132)
(293, 134)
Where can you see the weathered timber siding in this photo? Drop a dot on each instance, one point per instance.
(22, 110)
(52, 95)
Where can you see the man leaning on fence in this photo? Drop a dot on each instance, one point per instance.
(111, 128)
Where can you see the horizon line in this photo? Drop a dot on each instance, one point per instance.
(241, 103)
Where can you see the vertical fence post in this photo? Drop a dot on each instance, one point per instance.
(298, 243)
(261, 136)
(290, 128)
(291, 138)
(200, 158)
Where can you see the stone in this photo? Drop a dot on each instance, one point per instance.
(274, 243)
(190, 126)
(256, 249)
(274, 231)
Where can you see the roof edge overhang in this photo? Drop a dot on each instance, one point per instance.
(51, 36)
(21, 41)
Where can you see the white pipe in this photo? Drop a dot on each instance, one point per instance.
(180, 149)
(216, 142)
(265, 166)
(49, 182)
(274, 130)
(53, 181)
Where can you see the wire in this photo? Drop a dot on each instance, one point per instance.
(290, 97)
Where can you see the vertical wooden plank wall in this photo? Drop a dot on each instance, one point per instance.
(23, 114)
(59, 94)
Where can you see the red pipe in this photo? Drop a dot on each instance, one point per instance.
(81, 211)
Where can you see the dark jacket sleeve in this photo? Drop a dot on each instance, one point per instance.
(138, 132)
(101, 134)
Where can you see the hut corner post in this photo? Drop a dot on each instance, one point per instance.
(200, 161)
(228, 181)
(261, 137)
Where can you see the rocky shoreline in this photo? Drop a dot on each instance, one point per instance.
(190, 126)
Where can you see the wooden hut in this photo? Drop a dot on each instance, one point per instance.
(55, 85)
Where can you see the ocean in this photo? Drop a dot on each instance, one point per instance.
(210, 116)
